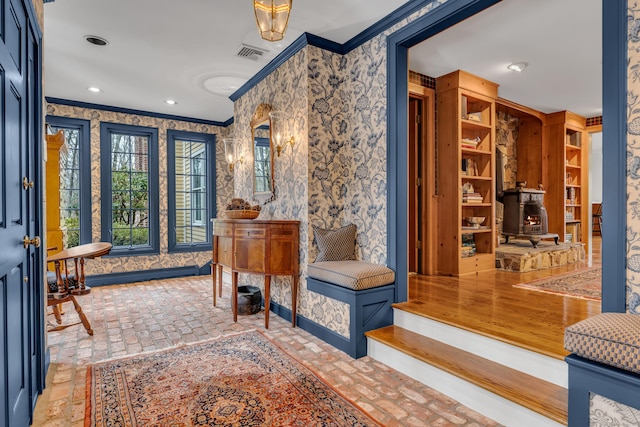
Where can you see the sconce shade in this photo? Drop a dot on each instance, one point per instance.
(278, 129)
(272, 17)
(231, 152)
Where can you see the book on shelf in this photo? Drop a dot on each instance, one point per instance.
(469, 167)
(472, 198)
(470, 143)
(468, 248)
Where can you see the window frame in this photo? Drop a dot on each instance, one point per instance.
(209, 141)
(84, 169)
(106, 213)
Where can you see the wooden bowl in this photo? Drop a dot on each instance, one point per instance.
(242, 214)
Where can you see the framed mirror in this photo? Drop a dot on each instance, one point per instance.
(263, 184)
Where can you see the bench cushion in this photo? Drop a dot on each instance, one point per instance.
(356, 275)
(609, 338)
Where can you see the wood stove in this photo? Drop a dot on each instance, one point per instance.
(525, 215)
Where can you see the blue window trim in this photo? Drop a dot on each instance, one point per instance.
(106, 129)
(210, 146)
(84, 152)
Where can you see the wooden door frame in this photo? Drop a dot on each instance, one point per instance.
(427, 189)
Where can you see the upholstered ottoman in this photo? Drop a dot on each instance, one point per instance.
(605, 360)
(368, 288)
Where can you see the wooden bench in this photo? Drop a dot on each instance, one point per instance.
(605, 360)
(368, 289)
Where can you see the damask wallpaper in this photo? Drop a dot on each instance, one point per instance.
(603, 411)
(633, 160)
(336, 172)
(224, 186)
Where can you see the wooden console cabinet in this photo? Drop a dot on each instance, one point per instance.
(267, 247)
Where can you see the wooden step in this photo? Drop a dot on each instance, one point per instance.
(525, 390)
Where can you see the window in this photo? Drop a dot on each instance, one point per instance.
(75, 180)
(129, 174)
(191, 166)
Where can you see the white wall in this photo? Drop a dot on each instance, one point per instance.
(595, 168)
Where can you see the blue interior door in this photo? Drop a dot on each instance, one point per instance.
(20, 309)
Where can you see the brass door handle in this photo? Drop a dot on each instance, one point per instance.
(26, 184)
(26, 242)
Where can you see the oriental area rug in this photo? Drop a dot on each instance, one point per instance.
(237, 380)
(585, 284)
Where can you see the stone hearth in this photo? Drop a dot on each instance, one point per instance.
(520, 256)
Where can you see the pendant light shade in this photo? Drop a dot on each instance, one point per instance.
(272, 17)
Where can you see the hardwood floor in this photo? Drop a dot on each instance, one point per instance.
(488, 304)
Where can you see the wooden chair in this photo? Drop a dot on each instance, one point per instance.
(596, 224)
(67, 285)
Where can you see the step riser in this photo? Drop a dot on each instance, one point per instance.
(480, 400)
(546, 368)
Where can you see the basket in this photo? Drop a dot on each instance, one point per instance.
(242, 214)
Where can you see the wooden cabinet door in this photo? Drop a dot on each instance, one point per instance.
(250, 255)
(225, 251)
(283, 248)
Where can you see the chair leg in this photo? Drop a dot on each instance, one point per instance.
(83, 317)
(56, 313)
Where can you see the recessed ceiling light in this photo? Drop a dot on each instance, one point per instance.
(171, 101)
(98, 41)
(94, 89)
(517, 66)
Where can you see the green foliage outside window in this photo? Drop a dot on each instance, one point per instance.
(130, 204)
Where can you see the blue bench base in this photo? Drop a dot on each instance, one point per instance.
(369, 309)
(586, 377)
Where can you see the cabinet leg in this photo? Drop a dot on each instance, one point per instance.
(294, 300)
(234, 295)
(267, 299)
(214, 270)
(220, 280)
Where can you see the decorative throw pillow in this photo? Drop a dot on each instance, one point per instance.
(336, 245)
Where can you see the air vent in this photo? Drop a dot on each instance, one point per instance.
(250, 52)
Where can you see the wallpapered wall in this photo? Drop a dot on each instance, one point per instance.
(224, 186)
(633, 159)
(336, 173)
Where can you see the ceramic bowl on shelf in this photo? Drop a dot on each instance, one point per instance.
(474, 221)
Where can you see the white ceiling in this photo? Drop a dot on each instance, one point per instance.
(561, 40)
(185, 50)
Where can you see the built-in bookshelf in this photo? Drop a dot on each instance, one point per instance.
(567, 162)
(466, 177)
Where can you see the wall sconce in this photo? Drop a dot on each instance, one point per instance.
(231, 153)
(272, 17)
(278, 123)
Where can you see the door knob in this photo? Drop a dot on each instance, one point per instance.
(26, 242)
(26, 184)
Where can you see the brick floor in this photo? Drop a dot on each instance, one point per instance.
(153, 315)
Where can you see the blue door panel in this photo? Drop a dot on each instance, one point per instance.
(17, 354)
(21, 294)
(14, 25)
(4, 416)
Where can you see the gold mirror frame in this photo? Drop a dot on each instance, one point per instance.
(263, 180)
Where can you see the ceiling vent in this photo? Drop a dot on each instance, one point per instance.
(250, 52)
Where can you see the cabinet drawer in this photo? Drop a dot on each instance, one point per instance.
(251, 231)
(222, 229)
(284, 231)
